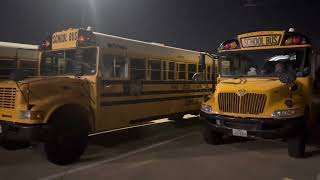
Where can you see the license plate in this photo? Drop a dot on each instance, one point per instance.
(240, 132)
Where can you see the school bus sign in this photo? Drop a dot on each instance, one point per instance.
(65, 39)
(272, 38)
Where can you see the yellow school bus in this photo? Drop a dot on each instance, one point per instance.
(18, 56)
(91, 83)
(266, 85)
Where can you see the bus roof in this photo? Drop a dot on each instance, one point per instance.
(74, 37)
(18, 45)
(144, 42)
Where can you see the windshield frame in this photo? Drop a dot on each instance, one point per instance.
(306, 59)
(69, 74)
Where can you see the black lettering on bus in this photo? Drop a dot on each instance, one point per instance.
(269, 40)
(54, 39)
(260, 41)
(274, 40)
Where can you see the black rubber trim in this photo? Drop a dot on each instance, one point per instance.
(158, 92)
(156, 82)
(138, 101)
(22, 132)
(266, 128)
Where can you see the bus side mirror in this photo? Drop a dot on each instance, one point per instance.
(18, 75)
(287, 78)
(197, 77)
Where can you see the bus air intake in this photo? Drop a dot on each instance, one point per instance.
(249, 103)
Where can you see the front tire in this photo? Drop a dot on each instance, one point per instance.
(297, 143)
(68, 137)
(212, 137)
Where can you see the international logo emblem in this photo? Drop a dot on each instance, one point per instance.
(241, 92)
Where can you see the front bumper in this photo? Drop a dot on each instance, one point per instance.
(257, 128)
(21, 132)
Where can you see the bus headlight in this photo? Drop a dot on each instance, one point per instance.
(25, 115)
(206, 108)
(31, 115)
(283, 113)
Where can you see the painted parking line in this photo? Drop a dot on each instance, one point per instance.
(85, 167)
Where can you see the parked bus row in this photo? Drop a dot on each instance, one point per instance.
(262, 85)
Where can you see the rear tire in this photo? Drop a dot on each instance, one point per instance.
(178, 120)
(68, 137)
(212, 137)
(297, 146)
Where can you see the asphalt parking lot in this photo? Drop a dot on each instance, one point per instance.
(163, 151)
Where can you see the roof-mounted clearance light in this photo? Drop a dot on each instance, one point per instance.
(295, 40)
(46, 44)
(86, 38)
(228, 45)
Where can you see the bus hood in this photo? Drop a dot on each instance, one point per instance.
(33, 79)
(252, 85)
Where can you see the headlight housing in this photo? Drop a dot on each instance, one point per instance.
(25, 115)
(206, 108)
(31, 115)
(284, 113)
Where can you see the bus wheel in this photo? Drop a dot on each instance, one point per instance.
(212, 137)
(297, 143)
(297, 146)
(68, 137)
(178, 120)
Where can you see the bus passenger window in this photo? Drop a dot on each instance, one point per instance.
(29, 66)
(138, 69)
(154, 69)
(209, 72)
(114, 67)
(164, 70)
(181, 71)
(171, 71)
(192, 69)
(6, 67)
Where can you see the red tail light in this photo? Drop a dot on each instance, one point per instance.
(233, 44)
(227, 46)
(295, 40)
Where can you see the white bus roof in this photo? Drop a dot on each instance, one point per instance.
(18, 45)
(156, 44)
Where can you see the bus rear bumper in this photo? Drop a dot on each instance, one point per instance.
(255, 128)
(21, 132)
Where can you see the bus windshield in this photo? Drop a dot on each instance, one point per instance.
(69, 62)
(267, 63)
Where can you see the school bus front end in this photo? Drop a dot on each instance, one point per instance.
(26, 106)
(263, 91)
(14, 115)
(56, 107)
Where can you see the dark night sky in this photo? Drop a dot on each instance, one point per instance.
(198, 24)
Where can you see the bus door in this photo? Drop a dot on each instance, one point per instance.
(114, 75)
